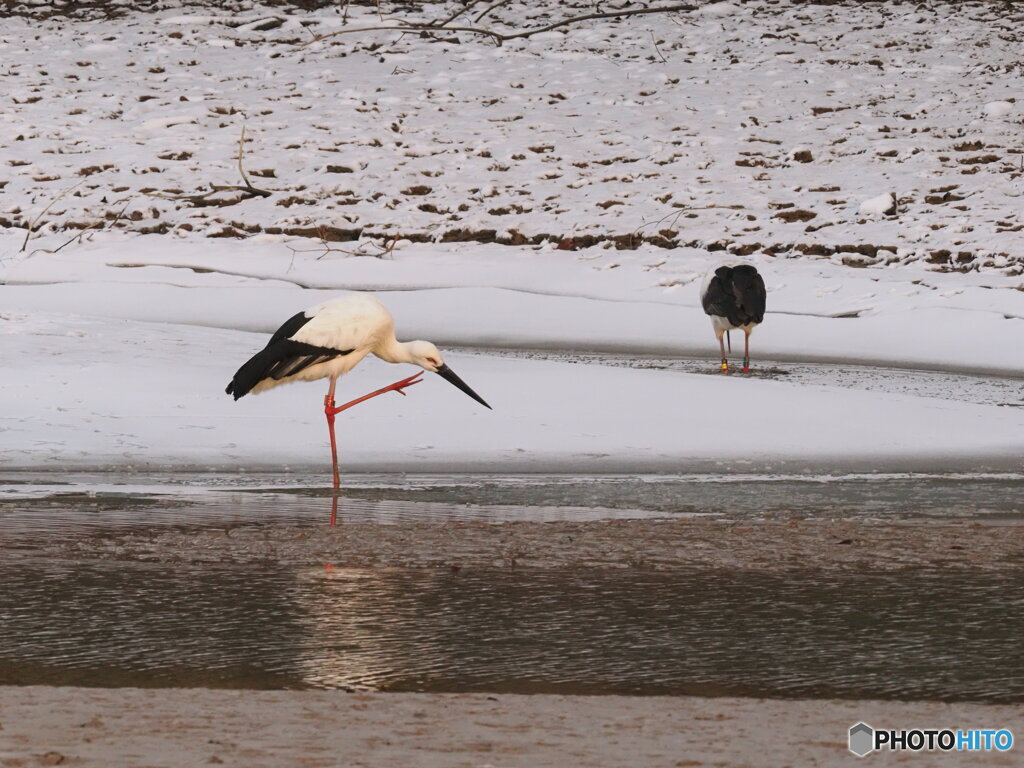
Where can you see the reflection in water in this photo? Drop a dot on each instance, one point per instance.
(886, 635)
(895, 635)
(31, 514)
(29, 524)
(345, 613)
(855, 496)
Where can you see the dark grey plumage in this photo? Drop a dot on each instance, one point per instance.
(737, 294)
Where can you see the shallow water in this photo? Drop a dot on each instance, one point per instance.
(983, 389)
(997, 496)
(34, 505)
(912, 634)
(918, 636)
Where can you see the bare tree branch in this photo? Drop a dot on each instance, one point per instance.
(382, 251)
(92, 227)
(608, 15)
(656, 48)
(500, 37)
(492, 7)
(674, 215)
(496, 36)
(458, 13)
(241, 169)
(32, 224)
(201, 199)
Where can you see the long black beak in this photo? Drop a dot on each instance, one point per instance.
(448, 374)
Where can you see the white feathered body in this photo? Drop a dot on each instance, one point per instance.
(355, 321)
(328, 341)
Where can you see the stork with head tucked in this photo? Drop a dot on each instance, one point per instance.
(329, 340)
(733, 295)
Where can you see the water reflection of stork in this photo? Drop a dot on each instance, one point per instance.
(328, 341)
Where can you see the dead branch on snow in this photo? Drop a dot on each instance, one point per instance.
(501, 37)
(205, 198)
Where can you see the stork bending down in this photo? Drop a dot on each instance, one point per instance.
(328, 341)
(734, 296)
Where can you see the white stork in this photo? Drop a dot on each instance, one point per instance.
(733, 295)
(328, 341)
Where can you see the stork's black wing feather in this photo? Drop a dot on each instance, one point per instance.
(282, 357)
(737, 294)
(754, 296)
(719, 299)
(290, 327)
(748, 288)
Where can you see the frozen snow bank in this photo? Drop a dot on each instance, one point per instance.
(643, 301)
(102, 392)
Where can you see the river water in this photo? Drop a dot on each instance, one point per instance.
(913, 634)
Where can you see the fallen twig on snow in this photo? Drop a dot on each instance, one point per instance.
(674, 215)
(199, 200)
(383, 251)
(488, 9)
(32, 224)
(91, 228)
(501, 37)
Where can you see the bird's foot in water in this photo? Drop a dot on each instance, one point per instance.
(399, 386)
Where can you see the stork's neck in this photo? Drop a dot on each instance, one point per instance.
(392, 350)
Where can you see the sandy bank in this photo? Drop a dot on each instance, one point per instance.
(167, 728)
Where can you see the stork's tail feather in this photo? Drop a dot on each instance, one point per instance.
(251, 373)
(278, 360)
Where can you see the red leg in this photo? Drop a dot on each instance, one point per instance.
(398, 386)
(331, 411)
(746, 353)
(721, 346)
(328, 406)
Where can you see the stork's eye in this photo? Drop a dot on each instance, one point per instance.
(432, 361)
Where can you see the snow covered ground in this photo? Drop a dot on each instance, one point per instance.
(776, 126)
(116, 347)
(126, 365)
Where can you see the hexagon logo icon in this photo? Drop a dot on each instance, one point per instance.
(862, 739)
